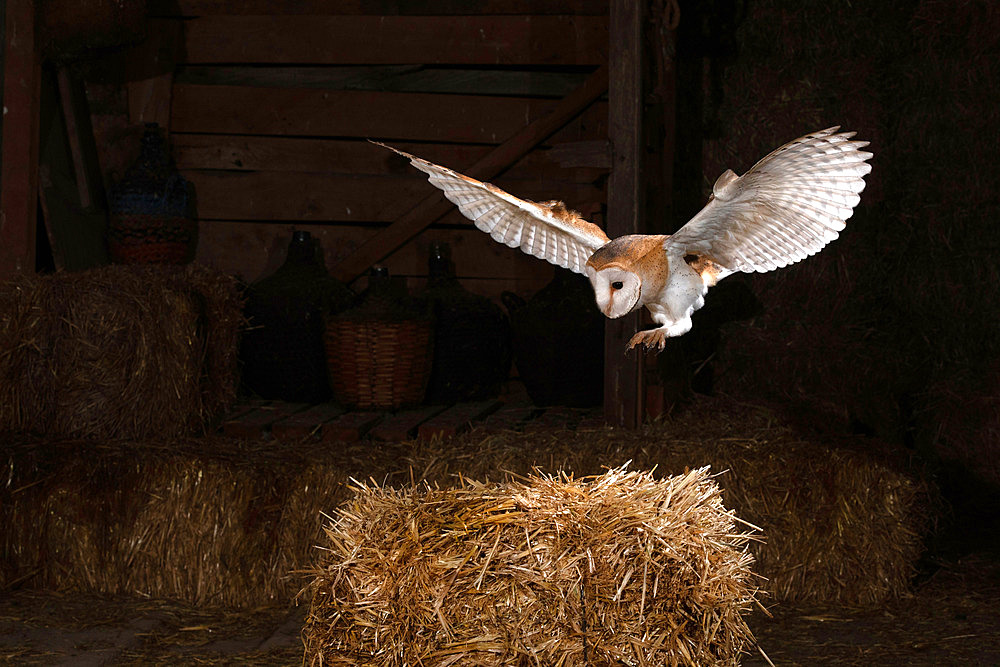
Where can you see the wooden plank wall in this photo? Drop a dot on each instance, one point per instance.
(272, 104)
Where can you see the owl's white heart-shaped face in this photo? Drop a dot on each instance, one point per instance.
(617, 290)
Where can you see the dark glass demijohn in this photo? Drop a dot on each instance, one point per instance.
(471, 337)
(379, 351)
(282, 349)
(151, 219)
(559, 342)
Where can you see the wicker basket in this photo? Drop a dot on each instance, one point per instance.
(381, 364)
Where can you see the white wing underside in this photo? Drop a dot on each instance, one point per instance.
(545, 230)
(787, 207)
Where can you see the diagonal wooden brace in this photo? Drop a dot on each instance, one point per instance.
(435, 205)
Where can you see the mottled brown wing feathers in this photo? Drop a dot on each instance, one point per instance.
(547, 230)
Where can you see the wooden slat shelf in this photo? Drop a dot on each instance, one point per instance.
(456, 419)
(349, 427)
(259, 420)
(332, 423)
(404, 424)
(305, 423)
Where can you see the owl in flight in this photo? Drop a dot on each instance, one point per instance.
(786, 207)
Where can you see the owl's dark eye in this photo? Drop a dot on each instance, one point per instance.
(618, 284)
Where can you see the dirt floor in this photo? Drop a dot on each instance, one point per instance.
(952, 617)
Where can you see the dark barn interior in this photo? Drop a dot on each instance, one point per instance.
(251, 362)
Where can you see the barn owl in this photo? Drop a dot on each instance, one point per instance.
(786, 207)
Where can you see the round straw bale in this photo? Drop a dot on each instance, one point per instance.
(619, 568)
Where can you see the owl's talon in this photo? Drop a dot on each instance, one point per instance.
(649, 338)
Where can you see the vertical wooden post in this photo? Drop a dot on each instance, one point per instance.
(623, 372)
(19, 157)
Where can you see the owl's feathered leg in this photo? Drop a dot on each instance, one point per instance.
(683, 294)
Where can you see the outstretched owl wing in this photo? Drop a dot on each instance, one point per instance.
(786, 207)
(547, 230)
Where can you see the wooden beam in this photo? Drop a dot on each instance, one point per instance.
(19, 158)
(389, 78)
(589, 159)
(355, 113)
(83, 152)
(623, 372)
(331, 197)
(396, 40)
(435, 205)
(376, 7)
(69, 179)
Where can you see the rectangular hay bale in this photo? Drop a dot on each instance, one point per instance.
(118, 351)
(618, 568)
(214, 522)
(845, 518)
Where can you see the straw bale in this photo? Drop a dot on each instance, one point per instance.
(228, 523)
(117, 352)
(316, 490)
(212, 521)
(619, 568)
(845, 521)
(190, 542)
(121, 518)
